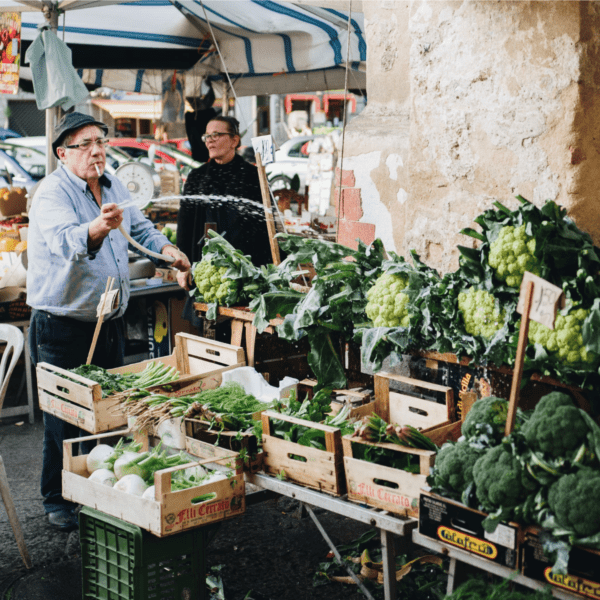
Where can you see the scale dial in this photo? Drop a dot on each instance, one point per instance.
(142, 182)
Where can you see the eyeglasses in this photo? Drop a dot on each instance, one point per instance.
(100, 142)
(213, 136)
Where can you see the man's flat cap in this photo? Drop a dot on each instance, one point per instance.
(70, 122)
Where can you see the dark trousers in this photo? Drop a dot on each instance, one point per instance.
(65, 343)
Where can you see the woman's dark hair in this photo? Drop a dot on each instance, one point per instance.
(233, 126)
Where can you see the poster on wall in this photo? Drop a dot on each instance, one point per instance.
(10, 49)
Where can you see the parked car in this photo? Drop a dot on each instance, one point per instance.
(291, 159)
(138, 148)
(181, 144)
(20, 167)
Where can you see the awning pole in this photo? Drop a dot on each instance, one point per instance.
(51, 15)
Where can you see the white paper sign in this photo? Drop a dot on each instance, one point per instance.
(545, 301)
(112, 302)
(264, 146)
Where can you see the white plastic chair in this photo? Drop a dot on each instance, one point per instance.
(14, 339)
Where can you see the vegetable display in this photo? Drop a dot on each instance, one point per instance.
(546, 472)
(126, 469)
(483, 589)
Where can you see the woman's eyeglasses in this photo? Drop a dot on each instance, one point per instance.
(213, 136)
(100, 142)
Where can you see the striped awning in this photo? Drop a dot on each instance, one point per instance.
(267, 46)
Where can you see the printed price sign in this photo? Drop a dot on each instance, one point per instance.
(545, 301)
(264, 146)
(108, 305)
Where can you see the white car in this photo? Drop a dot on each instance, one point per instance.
(289, 161)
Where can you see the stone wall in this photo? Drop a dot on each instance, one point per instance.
(471, 102)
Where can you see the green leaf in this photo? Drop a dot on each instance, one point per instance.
(324, 360)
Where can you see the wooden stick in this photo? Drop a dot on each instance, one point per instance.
(518, 372)
(264, 189)
(109, 284)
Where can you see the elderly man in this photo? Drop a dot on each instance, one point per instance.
(73, 247)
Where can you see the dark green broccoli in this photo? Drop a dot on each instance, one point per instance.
(453, 469)
(574, 501)
(486, 417)
(500, 480)
(556, 426)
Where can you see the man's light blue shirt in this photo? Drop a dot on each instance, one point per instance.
(63, 277)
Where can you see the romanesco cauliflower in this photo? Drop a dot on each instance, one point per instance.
(480, 315)
(565, 341)
(387, 304)
(212, 284)
(511, 254)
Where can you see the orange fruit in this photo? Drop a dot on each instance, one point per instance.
(21, 246)
(8, 245)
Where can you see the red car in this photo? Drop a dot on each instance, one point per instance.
(136, 148)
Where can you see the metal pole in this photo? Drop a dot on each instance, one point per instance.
(51, 15)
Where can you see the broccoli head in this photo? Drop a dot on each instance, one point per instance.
(574, 501)
(500, 480)
(454, 463)
(487, 416)
(387, 304)
(511, 254)
(556, 426)
(565, 341)
(212, 284)
(479, 312)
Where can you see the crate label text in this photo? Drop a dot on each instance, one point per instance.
(573, 584)
(467, 542)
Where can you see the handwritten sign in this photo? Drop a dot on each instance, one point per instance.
(546, 300)
(10, 52)
(264, 146)
(111, 303)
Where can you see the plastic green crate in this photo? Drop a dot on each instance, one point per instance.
(120, 561)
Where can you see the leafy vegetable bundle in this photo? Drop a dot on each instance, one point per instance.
(155, 373)
(226, 277)
(335, 303)
(546, 472)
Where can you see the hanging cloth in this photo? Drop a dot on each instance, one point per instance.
(55, 81)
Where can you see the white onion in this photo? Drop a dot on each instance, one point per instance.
(131, 484)
(149, 493)
(122, 467)
(96, 459)
(103, 476)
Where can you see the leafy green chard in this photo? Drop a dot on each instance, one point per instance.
(329, 312)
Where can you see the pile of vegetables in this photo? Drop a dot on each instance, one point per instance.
(155, 373)
(546, 472)
(483, 589)
(316, 410)
(375, 429)
(472, 311)
(128, 470)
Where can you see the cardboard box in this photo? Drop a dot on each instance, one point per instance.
(170, 511)
(15, 203)
(78, 400)
(583, 576)
(458, 526)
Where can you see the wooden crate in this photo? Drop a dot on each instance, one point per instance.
(404, 409)
(387, 488)
(232, 440)
(171, 511)
(79, 401)
(322, 470)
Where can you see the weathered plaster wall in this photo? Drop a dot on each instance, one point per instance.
(500, 100)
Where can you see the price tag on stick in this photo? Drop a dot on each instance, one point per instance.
(547, 298)
(538, 300)
(109, 301)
